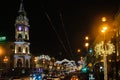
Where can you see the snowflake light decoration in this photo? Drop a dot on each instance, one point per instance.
(100, 48)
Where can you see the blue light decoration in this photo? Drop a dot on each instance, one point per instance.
(91, 77)
(90, 51)
(36, 76)
(84, 70)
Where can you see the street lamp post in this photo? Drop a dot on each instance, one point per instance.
(104, 49)
(105, 55)
(105, 63)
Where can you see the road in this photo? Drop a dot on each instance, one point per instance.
(25, 78)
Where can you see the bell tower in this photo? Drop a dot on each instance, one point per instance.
(22, 55)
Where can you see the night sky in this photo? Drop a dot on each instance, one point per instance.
(57, 27)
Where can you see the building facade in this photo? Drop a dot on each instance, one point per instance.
(6, 53)
(22, 56)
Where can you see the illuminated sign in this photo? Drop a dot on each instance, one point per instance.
(2, 38)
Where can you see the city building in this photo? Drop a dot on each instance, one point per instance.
(22, 46)
(16, 54)
(6, 53)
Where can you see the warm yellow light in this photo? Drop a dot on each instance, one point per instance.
(78, 50)
(86, 44)
(90, 64)
(5, 59)
(35, 60)
(1, 50)
(104, 19)
(86, 38)
(104, 29)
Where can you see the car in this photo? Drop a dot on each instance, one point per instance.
(62, 76)
(55, 78)
(35, 76)
(74, 77)
(49, 79)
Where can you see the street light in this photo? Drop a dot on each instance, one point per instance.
(86, 42)
(1, 53)
(104, 48)
(86, 38)
(103, 19)
(105, 55)
(78, 50)
(104, 29)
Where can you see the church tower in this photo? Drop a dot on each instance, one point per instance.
(22, 55)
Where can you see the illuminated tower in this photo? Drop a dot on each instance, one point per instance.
(22, 46)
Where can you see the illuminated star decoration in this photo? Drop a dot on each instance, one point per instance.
(99, 48)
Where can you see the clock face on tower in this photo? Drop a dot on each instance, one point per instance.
(20, 28)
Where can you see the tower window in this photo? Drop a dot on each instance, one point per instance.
(19, 28)
(20, 36)
(19, 49)
(26, 37)
(11, 46)
(27, 63)
(26, 28)
(26, 50)
(19, 63)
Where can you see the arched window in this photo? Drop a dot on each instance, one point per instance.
(26, 29)
(27, 63)
(19, 49)
(20, 28)
(26, 37)
(19, 36)
(26, 50)
(19, 63)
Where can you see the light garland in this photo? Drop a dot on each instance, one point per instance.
(99, 48)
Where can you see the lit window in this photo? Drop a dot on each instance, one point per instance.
(19, 28)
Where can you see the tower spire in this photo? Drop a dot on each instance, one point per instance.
(22, 55)
(21, 9)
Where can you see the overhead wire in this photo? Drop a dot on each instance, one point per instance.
(68, 42)
(60, 40)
